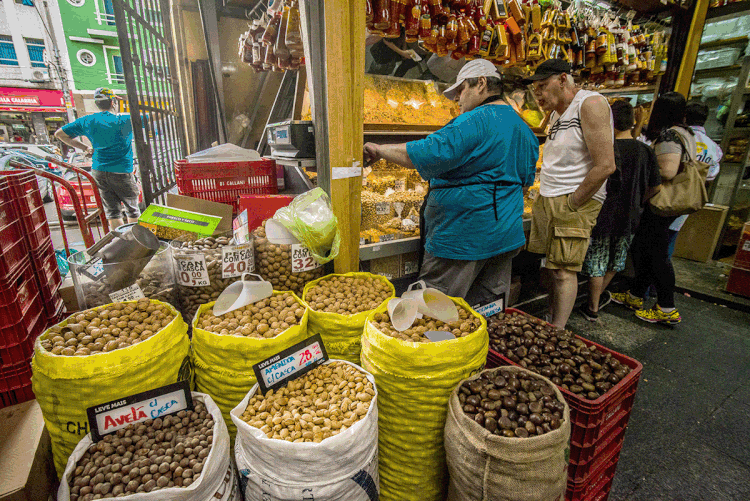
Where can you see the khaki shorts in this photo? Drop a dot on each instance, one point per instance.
(560, 233)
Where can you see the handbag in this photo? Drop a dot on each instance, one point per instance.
(686, 192)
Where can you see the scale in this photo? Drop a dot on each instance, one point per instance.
(291, 139)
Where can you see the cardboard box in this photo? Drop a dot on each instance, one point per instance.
(187, 215)
(700, 233)
(26, 469)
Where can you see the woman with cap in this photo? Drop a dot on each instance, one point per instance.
(477, 166)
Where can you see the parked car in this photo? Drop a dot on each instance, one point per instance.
(10, 152)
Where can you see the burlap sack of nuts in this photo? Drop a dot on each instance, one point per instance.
(205, 475)
(340, 304)
(486, 466)
(414, 383)
(95, 362)
(224, 362)
(336, 462)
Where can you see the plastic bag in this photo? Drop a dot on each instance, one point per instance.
(224, 153)
(66, 386)
(310, 219)
(414, 383)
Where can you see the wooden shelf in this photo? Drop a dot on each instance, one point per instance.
(721, 71)
(400, 129)
(723, 43)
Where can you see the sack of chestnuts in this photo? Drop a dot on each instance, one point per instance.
(180, 457)
(517, 421)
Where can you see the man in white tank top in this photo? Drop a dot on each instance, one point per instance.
(577, 160)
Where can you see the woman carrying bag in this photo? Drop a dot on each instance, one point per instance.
(683, 191)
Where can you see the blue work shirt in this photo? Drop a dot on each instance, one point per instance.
(477, 149)
(111, 137)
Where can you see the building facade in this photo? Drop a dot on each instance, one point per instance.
(32, 104)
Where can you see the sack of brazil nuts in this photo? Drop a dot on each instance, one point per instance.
(509, 463)
(102, 354)
(224, 362)
(339, 305)
(415, 380)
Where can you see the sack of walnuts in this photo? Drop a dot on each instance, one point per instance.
(339, 305)
(224, 355)
(102, 354)
(511, 462)
(415, 379)
(277, 263)
(209, 475)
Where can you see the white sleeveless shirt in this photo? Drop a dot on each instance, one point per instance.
(566, 160)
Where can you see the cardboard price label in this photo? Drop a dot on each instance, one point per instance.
(191, 270)
(287, 365)
(236, 260)
(383, 208)
(746, 245)
(491, 308)
(127, 294)
(302, 259)
(109, 417)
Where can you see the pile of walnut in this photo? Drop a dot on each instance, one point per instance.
(465, 325)
(348, 295)
(324, 402)
(144, 457)
(107, 328)
(266, 318)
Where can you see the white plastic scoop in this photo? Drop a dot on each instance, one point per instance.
(403, 312)
(241, 293)
(432, 303)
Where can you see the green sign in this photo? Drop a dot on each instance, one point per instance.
(167, 222)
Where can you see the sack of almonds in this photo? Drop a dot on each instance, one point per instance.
(511, 444)
(195, 463)
(339, 305)
(102, 354)
(225, 348)
(415, 378)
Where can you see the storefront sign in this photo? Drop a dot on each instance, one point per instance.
(112, 416)
(19, 100)
(290, 364)
(191, 270)
(302, 259)
(131, 293)
(26, 100)
(236, 260)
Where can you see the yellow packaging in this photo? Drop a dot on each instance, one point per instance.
(66, 386)
(536, 17)
(414, 382)
(501, 51)
(224, 364)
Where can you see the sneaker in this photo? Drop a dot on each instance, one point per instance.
(627, 300)
(656, 315)
(605, 299)
(587, 313)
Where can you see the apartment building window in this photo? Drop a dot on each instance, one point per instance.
(8, 55)
(35, 47)
(118, 76)
(30, 3)
(109, 12)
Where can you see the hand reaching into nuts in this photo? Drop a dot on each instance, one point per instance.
(264, 319)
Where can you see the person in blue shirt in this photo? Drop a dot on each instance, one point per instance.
(112, 165)
(478, 167)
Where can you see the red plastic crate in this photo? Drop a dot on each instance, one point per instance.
(261, 207)
(599, 483)
(23, 188)
(38, 236)
(53, 307)
(45, 263)
(742, 256)
(16, 294)
(24, 333)
(15, 385)
(739, 282)
(7, 212)
(12, 257)
(34, 220)
(583, 460)
(57, 317)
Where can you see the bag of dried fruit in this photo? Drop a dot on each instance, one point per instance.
(516, 446)
(91, 358)
(224, 355)
(209, 475)
(339, 305)
(415, 380)
(324, 449)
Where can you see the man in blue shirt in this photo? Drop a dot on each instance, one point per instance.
(112, 138)
(478, 166)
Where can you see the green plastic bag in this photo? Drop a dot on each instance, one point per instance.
(310, 219)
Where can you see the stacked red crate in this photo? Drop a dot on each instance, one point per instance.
(739, 275)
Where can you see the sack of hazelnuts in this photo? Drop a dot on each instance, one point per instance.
(180, 457)
(507, 436)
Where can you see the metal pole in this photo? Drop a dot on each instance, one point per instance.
(210, 22)
(60, 68)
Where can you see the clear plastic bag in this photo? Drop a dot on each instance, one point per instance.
(310, 219)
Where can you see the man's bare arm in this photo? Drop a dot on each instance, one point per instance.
(75, 143)
(598, 134)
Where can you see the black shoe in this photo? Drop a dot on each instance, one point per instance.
(588, 314)
(605, 299)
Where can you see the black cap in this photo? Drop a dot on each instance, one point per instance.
(547, 69)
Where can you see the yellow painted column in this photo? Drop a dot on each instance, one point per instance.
(685, 75)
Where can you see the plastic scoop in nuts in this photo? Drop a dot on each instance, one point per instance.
(324, 402)
(465, 325)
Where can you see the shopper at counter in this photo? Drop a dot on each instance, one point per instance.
(477, 166)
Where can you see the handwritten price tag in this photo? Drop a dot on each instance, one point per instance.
(400, 185)
(411, 267)
(388, 237)
(302, 259)
(383, 208)
(278, 370)
(746, 245)
(236, 260)
(191, 270)
(127, 294)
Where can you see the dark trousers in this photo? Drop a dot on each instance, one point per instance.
(653, 265)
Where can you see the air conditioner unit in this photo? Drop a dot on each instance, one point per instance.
(39, 75)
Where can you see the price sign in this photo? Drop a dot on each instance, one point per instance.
(191, 270)
(127, 294)
(411, 267)
(236, 260)
(746, 245)
(112, 416)
(383, 208)
(388, 237)
(302, 259)
(400, 185)
(287, 365)
(491, 308)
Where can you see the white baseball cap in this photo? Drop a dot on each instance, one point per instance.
(473, 69)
